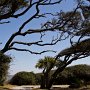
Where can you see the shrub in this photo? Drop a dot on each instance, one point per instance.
(38, 78)
(74, 82)
(23, 78)
(4, 66)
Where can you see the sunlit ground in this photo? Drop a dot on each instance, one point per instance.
(34, 87)
(8, 86)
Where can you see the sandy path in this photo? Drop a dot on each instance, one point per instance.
(24, 87)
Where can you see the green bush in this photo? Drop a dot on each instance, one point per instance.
(23, 78)
(4, 66)
(38, 78)
(74, 82)
(77, 74)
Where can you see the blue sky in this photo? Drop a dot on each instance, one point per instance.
(24, 61)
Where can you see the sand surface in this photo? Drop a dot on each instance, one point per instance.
(26, 87)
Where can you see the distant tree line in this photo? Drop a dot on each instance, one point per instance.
(78, 74)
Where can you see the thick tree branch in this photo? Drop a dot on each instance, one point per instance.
(4, 22)
(25, 43)
(32, 52)
(49, 2)
(31, 18)
(26, 10)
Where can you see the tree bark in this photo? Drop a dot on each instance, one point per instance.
(55, 75)
(42, 86)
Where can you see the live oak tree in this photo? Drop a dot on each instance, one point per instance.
(78, 27)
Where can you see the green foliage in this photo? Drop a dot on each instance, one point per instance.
(73, 81)
(38, 78)
(23, 78)
(45, 63)
(81, 72)
(4, 66)
(75, 84)
(74, 75)
(62, 78)
(11, 6)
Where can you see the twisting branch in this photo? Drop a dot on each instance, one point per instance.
(26, 10)
(10, 43)
(4, 22)
(37, 12)
(49, 2)
(14, 7)
(24, 43)
(32, 52)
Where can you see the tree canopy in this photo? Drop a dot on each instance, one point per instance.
(8, 8)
